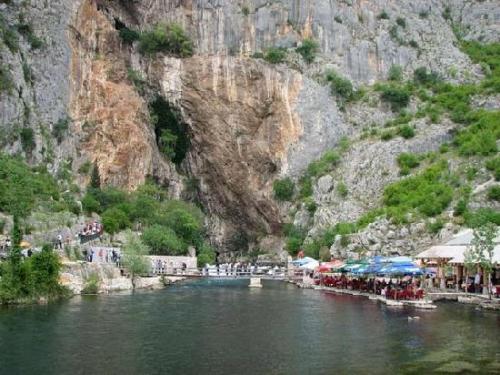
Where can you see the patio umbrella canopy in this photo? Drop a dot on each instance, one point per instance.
(400, 269)
(330, 266)
(302, 261)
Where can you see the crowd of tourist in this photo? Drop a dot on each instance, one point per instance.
(90, 231)
(161, 267)
(401, 288)
(102, 255)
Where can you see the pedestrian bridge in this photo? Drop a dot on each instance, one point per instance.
(221, 275)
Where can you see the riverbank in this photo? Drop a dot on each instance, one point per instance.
(427, 303)
(106, 278)
(419, 304)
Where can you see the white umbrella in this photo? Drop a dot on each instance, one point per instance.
(310, 265)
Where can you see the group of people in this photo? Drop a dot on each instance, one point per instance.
(91, 228)
(90, 231)
(102, 255)
(405, 288)
(160, 267)
(232, 269)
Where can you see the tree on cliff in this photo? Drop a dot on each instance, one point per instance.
(134, 256)
(95, 179)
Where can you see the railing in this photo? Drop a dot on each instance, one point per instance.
(212, 273)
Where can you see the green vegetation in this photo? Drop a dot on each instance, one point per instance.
(401, 22)
(407, 161)
(447, 13)
(308, 50)
(310, 205)
(482, 216)
(435, 226)
(483, 248)
(206, 255)
(396, 95)
(323, 165)
(91, 284)
(493, 165)
(245, 10)
(171, 133)
(295, 237)
(341, 87)
(284, 189)
(6, 82)
(423, 77)
(423, 14)
(342, 189)
(60, 128)
(136, 79)
(114, 220)
(394, 34)
(170, 39)
(337, 19)
(395, 73)
(426, 193)
(494, 193)
(129, 36)
(488, 55)
(406, 131)
(27, 136)
(163, 241)
(22, 187)
(170, 226)
(9, 35)
(480, 137)
(26, 30)
(275, 55)
(383, 15)
(134, 252)
(30, 279)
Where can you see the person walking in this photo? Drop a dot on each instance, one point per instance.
(59, 241)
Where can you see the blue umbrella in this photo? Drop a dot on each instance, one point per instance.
(401, 269)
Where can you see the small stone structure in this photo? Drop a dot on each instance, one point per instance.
(255, 282)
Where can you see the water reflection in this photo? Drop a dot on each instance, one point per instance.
(223, 327)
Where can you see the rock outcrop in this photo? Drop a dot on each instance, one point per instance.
(249, 122)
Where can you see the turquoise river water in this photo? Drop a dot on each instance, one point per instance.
(223, 327)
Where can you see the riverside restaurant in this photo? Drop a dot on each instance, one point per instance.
(396, 278)
(452, 272)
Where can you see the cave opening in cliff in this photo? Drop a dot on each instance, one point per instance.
(171, 132)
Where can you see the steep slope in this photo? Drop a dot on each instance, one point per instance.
(249, 122)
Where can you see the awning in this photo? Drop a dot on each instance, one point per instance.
(459, 258)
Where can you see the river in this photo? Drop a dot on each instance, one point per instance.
(223, 327)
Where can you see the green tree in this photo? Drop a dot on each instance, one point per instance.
(170, 39)
(308, 50)
(284, 189)
(340, 86)
(134, 256)
(45, 267)
(484, 249)
(95, 178)
(90, 203)
(114, 220)
(275, 55)
(163, 241)
(470, 265)
(395, 73)
(206, 255)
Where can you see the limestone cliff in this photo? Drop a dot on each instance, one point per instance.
(249, 122)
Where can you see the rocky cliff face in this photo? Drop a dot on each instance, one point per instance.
(249, 122)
